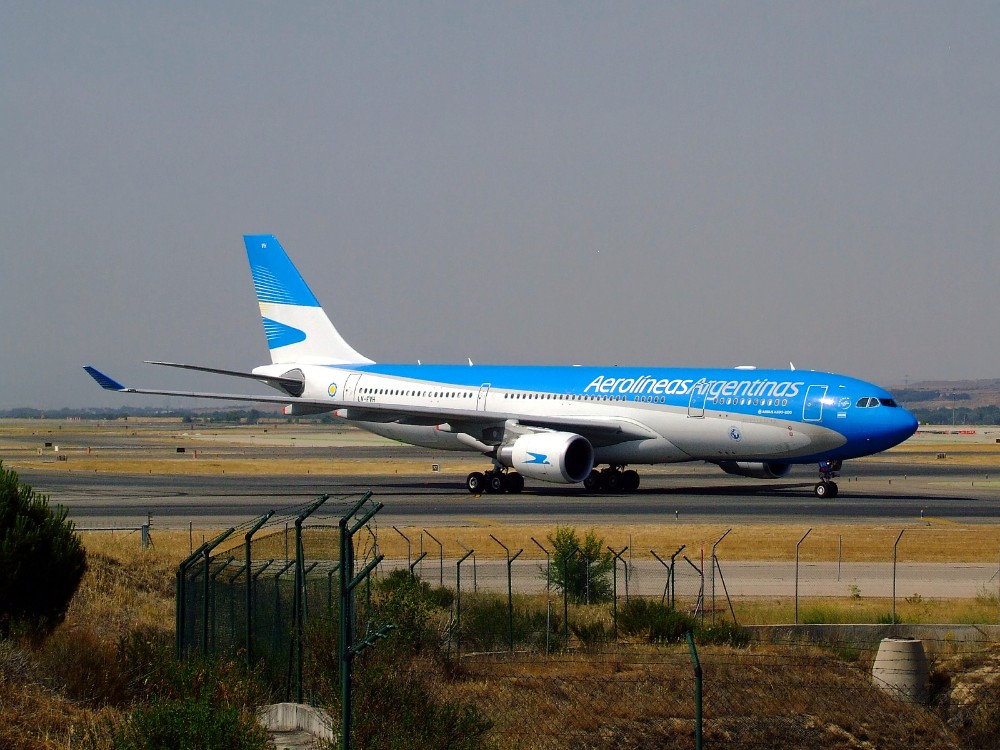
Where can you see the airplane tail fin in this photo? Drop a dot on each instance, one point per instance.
(297, 329)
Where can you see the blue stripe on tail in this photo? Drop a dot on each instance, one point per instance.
(274, 277)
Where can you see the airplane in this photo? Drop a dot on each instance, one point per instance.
(561, 424)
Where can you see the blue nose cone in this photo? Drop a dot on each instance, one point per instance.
(895, 426)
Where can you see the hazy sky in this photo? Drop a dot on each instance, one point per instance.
(638, 183)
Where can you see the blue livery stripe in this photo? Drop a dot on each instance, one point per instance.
(278, 334)
(275, 279)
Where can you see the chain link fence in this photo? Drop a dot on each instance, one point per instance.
(533, 668)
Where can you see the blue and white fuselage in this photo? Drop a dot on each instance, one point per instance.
(558, 423)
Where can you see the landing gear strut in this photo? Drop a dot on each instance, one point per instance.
(826, 487)
(494, 481)
(612, 479)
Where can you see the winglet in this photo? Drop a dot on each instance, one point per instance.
(103, 380)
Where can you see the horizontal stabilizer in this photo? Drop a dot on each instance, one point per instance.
(293, 386)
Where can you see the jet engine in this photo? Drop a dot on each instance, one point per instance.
(756, 469)
(562, 457)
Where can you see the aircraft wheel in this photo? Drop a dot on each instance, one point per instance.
(496, 483)
(515, 482)
(475, 482)
(612, 480)
(834, 489)
(593, 482)
(822, 489)
(630, 480)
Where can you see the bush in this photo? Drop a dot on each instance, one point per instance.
(41, 557)
(191, 722)
(653, 620)
(581, 568)
(486, 623)
(397, 707)
(198, 703)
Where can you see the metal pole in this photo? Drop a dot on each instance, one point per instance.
(696, 663)
(458, 603)
(415, 563)
(510, 593)
(673, 578)
(407, 544)
(666, 587)
(840, 553)
(717, 541)
(440, 557)
(249, 594)
(797, 575)
(614, 593)
(548, 566)
(894, 575)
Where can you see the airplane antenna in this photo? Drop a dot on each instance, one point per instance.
(791, 365)
(470, 361)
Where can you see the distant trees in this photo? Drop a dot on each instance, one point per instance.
(41, 559)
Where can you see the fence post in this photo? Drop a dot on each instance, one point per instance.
(510, 592)
(181, 608)
(548, 564)
(614, 592)
(797, 575)
(207, 556)
(717, 541)
(666, 586)
(440, 557)
(673, 577)
(697, 689)
(700, 605)
(565, 571)
(415, 563)
(299, 598)
(249, 597)
(894, 546)
(458, 603)
(407, 544)
(348, 582)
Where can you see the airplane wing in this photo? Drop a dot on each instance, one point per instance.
(293, 386)
(600, 431)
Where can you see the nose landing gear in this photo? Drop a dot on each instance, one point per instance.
(826, 487)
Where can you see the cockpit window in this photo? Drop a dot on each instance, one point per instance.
(868, 402)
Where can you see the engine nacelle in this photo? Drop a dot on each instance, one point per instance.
(562, 457)
(756, 469)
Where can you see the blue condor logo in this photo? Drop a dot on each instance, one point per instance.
(647, 384)
(538, 458)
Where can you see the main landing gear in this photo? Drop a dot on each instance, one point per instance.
(494, 481)
(612, 479)
(826, 487)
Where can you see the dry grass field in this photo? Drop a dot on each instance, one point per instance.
(59, 694)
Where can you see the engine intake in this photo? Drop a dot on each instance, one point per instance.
(756, 469)
(563, 457)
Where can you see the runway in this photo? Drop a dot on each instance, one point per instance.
(889, 493)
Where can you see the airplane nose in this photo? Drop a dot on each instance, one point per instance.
(899, 428)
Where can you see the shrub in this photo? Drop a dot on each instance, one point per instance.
(581, 568)
(653, 620)
(486, 623)
(41, 557)
(397, 707)
(191, 722)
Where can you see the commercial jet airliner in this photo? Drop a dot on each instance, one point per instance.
(561, 424)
